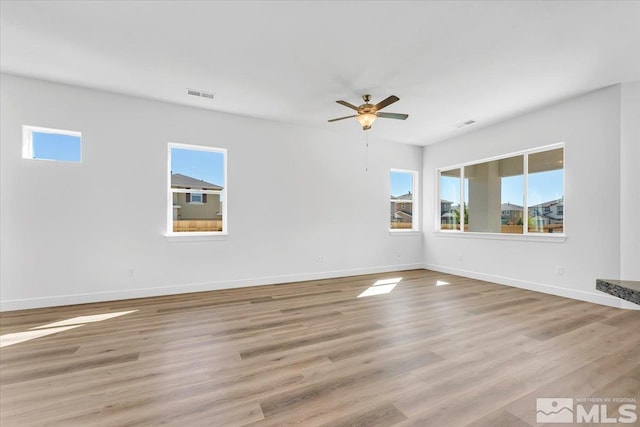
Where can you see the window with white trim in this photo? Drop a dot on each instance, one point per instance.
(197, 198)
(197, 190)
(60, 145)
(403, 200)
(520, 193)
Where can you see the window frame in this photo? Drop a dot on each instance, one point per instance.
(526, 235)
(27, 142)
(415, 205)
(198, 235)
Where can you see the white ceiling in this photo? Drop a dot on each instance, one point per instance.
(290, 61)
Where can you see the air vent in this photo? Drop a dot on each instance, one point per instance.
(465, 123)
(200, 93)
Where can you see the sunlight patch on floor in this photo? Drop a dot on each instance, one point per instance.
(18, 337)
(381, 287)
(55, 327)
(85, 319)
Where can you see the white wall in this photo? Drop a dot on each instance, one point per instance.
(630, 183)
(590, 127)
(71, 232)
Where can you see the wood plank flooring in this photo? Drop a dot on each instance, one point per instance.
(314, 354)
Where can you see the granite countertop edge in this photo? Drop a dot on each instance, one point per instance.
(626, 289)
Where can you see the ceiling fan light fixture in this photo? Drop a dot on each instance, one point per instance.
(366, 120)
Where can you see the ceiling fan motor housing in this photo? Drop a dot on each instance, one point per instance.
(366, 108)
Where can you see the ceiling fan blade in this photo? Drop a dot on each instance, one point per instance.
(393, 116)
(346, 104)
(390, 100)
(342, 118)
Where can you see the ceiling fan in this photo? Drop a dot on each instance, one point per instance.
(367, 113)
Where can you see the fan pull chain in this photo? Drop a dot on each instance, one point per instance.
(366, 151)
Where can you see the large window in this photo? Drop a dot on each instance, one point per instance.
(197, 190)
(517, 194)
(40, 143)
(403, 202)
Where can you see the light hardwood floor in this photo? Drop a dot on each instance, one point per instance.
(313, 353)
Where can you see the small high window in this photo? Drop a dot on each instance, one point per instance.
(40, 143)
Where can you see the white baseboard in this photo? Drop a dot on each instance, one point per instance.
(594, 297)
(51, 301)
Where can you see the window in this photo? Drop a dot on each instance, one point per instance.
(51, 144)
(545, 187)
(496, 196)
(517, 194)
(450, 192)
(403, 201)
(197, 192)
(195, 198)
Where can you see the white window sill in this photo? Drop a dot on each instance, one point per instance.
(194, 236)
(405, 232)
(546, 237)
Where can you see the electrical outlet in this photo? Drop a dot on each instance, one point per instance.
(559, 270)
(398, 254)
(130, 272)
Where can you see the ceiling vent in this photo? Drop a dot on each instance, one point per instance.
(200, 93)
(465, 123)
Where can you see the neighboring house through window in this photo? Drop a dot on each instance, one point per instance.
(197, 190)
(403, 201)
(449, 182)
